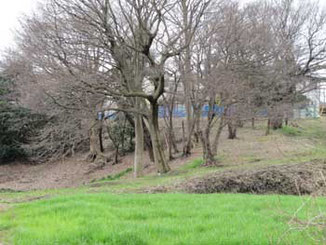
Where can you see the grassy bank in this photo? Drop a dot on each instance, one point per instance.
(103, 218)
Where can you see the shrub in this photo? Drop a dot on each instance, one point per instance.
(17, 125)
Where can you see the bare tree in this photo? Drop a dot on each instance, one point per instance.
(114, 48)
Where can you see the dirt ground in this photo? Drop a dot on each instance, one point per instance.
(71, 172)
(251, 147)
(59, 174)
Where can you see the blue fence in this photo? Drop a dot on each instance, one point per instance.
(180, 111)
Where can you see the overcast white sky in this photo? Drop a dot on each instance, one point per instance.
(11, 10)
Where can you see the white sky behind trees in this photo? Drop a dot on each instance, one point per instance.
(12, 10)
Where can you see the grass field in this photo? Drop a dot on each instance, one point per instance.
(103, 218)
(108, 211)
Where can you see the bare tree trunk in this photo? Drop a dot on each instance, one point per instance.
(100, 136)
(183, 136)
(123, 136)
(197, 123)
(174, 144)
(139, 147)
(188, 146)
(170, 132)
(187, 80)
(95, 143)
(208, 155)
(232, 128)
(188, 143)
(159, 155)
(116, 156)
(253, 123)
(218, 136)
(147, 137)
(148, 143)
(268, 128)
(168, 145)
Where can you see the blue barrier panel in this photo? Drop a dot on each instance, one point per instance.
(180, 111)
(217, 110)
(262, 113)
(162, 112)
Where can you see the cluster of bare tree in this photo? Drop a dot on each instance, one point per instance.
(132, 56)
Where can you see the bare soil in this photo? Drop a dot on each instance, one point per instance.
(71, 172)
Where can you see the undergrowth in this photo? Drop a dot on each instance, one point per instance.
(291, 131)
(193, 164)
(117, 176)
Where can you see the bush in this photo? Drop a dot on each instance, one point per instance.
(121, 134)
(17, 125)
(62, 136)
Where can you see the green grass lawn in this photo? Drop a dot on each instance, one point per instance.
(101, 218)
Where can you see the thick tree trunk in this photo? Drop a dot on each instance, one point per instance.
(95, 147)
(188, 143)
(116, 156)
(147, 137)
(188, 83)
(148, 144)
(168, 145)
(218, 136)
(139, 147)
(159, 155)
(208, 155)
(232, 129)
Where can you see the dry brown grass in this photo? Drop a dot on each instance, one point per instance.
(251, 149)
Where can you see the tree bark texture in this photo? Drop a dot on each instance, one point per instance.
(139, 147)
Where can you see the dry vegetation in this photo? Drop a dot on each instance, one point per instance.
(248, 158)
